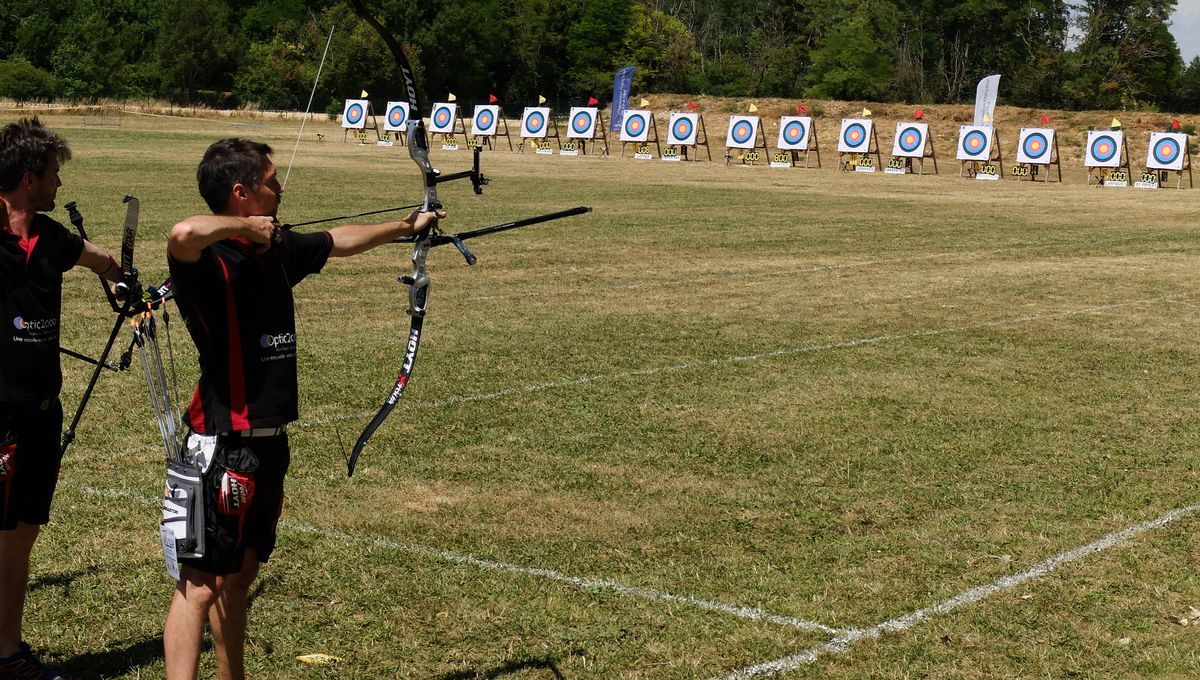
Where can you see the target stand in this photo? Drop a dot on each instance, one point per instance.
(587, 144)
(641, 149)
(860, 161)
(792, 132)
(986, 141)
(912, 143)
(538, 128)
(482, 140)
(1170, 152)
(701, 141)
(1037, 152)
(685, 131)
(749, 155)
(366, 115)
(1107, 159)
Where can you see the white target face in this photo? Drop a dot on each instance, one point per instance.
(535, 122)
(354, 114)
(486, 121)
(1167, 150)
(910, 140)
(1104, 149)
(684, 127)
(974, 142)
(794, 133)
(582, 122)
(635, 126)
(441, 119)
(743, 132)
(856, 135)
(396, 119)
(1035, 146)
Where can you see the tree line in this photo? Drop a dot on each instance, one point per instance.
(1086, 54)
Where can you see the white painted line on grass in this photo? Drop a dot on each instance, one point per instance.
(843, 641)
(578, 581)
(708, 363)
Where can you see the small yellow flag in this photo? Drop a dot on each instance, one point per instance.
(451, 98)
(541, 99)
(1115, 124)
(753, 108)
(644, 103)
(866, 112)
(987, 117)
(362, 95)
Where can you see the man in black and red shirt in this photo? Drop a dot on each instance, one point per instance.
(233, 273)
(34, 252)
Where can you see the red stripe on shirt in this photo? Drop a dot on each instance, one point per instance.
(238, 412)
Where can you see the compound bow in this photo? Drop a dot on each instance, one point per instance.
(418, 280)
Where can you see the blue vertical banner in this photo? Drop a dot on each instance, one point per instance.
(620, 98)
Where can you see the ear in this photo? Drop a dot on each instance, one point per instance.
(238, 192)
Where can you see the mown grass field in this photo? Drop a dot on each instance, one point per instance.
(830, 399)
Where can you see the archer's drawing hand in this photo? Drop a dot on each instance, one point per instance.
(262, 230)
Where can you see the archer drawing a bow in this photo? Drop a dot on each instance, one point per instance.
(418, 280)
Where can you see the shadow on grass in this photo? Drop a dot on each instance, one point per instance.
(508, 668)
(120, 660)
(64, 580)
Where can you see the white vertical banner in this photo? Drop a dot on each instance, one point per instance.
(985, 100)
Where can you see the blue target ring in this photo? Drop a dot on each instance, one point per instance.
(793, 132)
(354, 113)
(911, 139)
(582, 122)
(535, 122)
(485, 120)
(635, 124)
(1104, 148)
(974, 143)
(397, 116)
(682, 130)
(855, 135)
(743, 132)
(1035, 145)
(441, 117)
(1166, 150)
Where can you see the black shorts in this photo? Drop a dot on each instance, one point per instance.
(30, 453)
(243, 498)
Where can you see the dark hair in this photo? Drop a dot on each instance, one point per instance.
(229, 162)
(26, 146)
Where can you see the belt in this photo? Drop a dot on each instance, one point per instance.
(260, 432)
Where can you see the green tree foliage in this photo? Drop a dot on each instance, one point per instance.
(854, 60)
(1127, 56)
(1188, 99)
(265, 52)
(23, 81)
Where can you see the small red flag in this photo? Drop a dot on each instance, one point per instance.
(1175, 124)
(692, 106)
(800, 109)
(918, 114)
(592, 101)
(492, 99)
(1045, 119)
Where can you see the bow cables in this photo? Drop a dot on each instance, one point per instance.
(418, 280)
